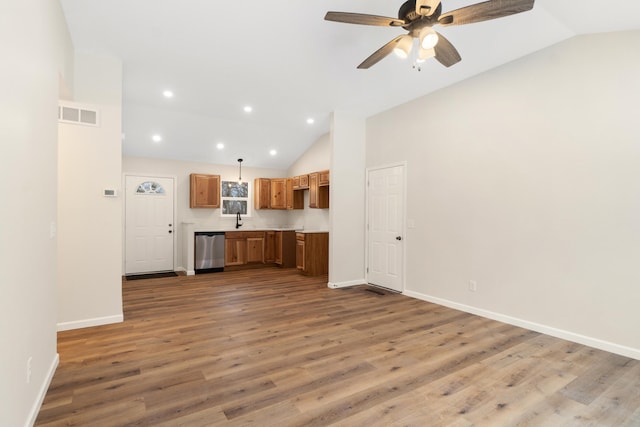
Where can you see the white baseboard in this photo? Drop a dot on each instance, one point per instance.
(86, 323)
(35, 409)
(336, 285)
(548, 330)
(188, 272)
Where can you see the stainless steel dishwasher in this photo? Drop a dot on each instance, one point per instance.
(209, 251)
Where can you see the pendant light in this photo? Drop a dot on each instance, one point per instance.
(239, 171)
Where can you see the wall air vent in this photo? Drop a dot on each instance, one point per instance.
(78, 114)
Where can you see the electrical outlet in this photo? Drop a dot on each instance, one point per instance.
(29, 360)
(473, 285)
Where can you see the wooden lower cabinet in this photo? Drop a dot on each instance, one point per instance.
(260, 247)
(244, 247)
(286, 249)
(300, 252)
(235, 251)
(312, 253)
(270, 246)
(255, 249)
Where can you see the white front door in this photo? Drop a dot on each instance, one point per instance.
(385, 236)
(149, 224)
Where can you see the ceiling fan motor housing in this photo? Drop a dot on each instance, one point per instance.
(407, 12)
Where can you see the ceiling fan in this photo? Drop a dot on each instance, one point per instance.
(419, 16)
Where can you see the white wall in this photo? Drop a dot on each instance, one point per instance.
(89, 243)
(347, 238)
(36, 51)
(526, 180)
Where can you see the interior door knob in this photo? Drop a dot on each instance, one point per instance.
(398, 237)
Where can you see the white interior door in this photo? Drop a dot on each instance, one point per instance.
(385, 236)
(149, 224)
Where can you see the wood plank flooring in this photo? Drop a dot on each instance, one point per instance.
(270, 347)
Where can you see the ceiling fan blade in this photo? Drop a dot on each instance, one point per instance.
(363, 19)
(485, 11)
(380, 53)
(446, 53)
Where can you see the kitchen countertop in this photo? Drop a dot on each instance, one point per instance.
(261, 229)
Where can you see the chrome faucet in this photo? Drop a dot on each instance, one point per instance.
(238, 220)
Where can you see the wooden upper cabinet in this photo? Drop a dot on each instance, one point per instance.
(290, 193)
(301, 182)
(323, 178)
(278, 193)
(205, 191)
(295, 198)
(262, 193)
(318, 195)
(304, 181)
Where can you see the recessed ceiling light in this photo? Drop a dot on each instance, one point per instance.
(220, 146)
(248, 109)
(167, 94)
(273, 152)
(156, 138)
(310, 120)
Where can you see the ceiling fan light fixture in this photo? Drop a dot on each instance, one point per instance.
(403, 46)
(424, 54)
(428, 38)
(426, 7)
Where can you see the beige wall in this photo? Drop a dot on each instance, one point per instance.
(526, 180)
(37, 53)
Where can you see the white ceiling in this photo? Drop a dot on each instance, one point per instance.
(282, 58)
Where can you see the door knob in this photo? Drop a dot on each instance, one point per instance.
(170, 231)
(398, 237)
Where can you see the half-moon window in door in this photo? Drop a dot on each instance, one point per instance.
(150, 187)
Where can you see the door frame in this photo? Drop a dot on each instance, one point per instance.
(405, 250)
(176, 229)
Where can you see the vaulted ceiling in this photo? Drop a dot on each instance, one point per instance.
(284, 60)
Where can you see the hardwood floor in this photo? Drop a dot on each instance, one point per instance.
(270, 347)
